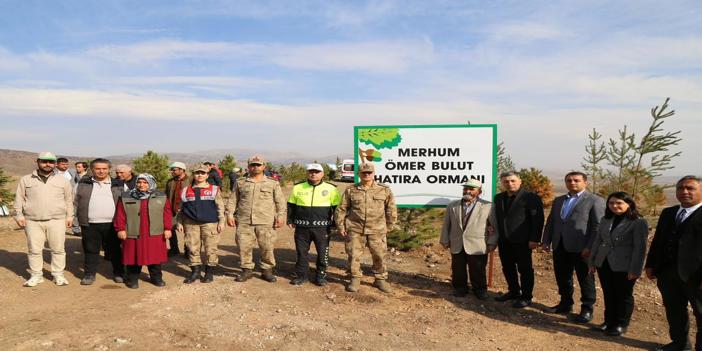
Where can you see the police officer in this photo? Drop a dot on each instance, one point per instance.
(366, 212)
(257, 208)
(311, 208)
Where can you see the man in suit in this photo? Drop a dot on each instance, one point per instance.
(675, 261)
(570, 230)
(520, 219)
(465, 233)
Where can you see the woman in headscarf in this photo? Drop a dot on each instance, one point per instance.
(143, 221)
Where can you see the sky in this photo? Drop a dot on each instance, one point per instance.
(116, 77)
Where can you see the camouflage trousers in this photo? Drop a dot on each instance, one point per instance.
(377, 245)
(199, 236)
(246, 237)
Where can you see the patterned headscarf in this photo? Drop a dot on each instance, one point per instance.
(140, 195)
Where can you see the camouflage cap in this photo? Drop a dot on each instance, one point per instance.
(257, 160)
(366, 167)
(473, 183)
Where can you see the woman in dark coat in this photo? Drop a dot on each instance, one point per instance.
(617, 254)
(143, 221)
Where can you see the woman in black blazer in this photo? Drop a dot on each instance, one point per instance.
(617, 254)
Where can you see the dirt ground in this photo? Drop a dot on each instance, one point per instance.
(420, 313)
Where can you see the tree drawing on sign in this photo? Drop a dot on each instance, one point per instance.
(381, 138)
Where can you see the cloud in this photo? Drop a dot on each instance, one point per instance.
(527, 32)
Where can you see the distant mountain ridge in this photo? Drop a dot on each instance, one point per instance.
(19, 162)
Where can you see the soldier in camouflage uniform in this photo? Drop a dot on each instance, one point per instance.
(366, 213)
(256, 208)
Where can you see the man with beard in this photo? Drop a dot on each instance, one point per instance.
(44, 208)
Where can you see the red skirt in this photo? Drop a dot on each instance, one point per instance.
(144, 250)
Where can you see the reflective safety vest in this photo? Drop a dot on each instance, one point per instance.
(313, 205)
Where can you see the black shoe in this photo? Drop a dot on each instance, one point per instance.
(559, 309)
(460, 293)
(132, 284)
(157, 281)
(209, 274)
(674, 346)
(268, 275)
(481, 295)
(583, 317)
(320, 280)
(521, 303)
(508, 296)
(119, 279)
(617, 330)
(245, 275)
(298, 281)
(88, 279)
(194, 275)
(600, 328)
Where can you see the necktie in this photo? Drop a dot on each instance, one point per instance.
(565, 210)
(680, 216)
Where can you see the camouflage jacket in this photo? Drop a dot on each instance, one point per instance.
(255, 202)
(366, 211)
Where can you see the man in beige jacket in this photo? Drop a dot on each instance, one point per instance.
(44, 208)
(467, 233)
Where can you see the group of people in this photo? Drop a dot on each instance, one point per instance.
(585, 233)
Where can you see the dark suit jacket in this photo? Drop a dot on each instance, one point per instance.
(624, 247)
(525, 219)
(689, 263)
(579, 228)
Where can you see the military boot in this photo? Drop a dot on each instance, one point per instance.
(245, 275)
(382, 285)
(268, 276)
(353, 285)
(194, 275)
(209, 274)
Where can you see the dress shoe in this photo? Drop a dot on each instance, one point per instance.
(157, 281)
(674, 346)
(245, 275)
(508, 296)
(298, 281)
(617, 330)
(460, 293)
(481, 295)
(132, 284)
(583, 317)
(88, 279)
(600, 328)
(521, 303)
(559, 309)
(118, 279)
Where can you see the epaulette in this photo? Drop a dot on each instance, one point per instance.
(332, 184)
(383, 185)
(271, 178)
(300, 182)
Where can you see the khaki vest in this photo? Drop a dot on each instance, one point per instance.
(132, 208)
